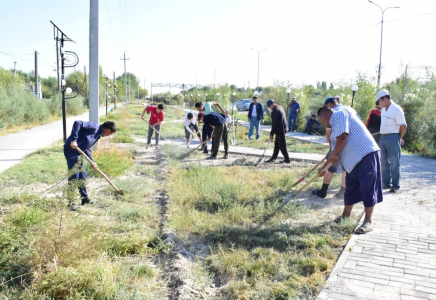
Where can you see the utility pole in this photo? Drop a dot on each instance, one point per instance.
(115, 93)
(36, 75)
(86, 85)
(138, 87)
(129, 86)
(15, 68)
(94, 75)
(125, 76)
(144, 88)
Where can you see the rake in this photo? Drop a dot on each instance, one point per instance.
(310, 171)
(260, 159)
(158, 132)
(309, 182)
(118, 191)
(203, 143)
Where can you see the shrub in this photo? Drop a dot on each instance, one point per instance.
(113, 162)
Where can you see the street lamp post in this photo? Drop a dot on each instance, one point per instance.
(354, 88)
(287, 105)
(258, 52)
(381, 41)
(205, 97)
(233, 104)
(214, 75)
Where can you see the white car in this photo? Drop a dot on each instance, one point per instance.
(243, 104)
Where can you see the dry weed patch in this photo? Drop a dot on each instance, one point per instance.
(260, 248)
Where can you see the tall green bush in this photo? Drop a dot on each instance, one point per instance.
(18, 107)
(73, 106)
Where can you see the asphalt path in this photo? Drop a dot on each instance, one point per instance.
(15, 146)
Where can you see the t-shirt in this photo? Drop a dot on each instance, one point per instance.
(207, 108)
(193, 121)
(392, 119)
(294, 108)
(228, 119)
(154, 116)
(214, 119)
(254, 111)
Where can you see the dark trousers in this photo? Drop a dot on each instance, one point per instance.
(156, 134)
(280, 144)
(220, 133)
(77, 178)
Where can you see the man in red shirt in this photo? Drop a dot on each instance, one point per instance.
(156, 118)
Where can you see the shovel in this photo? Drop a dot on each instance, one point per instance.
(309, 182)
(118, 191)
(260, 159)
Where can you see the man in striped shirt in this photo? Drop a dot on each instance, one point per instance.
(359, 155)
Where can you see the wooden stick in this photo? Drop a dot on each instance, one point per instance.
(204, 142)
(157, 132)
(311, 180)
(310, 171)
(99, 171)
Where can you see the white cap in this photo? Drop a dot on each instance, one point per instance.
(226, 110)
(337, 97)
(381, 94)
(294, 98)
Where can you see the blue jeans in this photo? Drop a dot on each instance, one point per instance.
(254, 123)
(390, 148)
(292, 117)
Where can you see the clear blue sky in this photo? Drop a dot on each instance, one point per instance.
(178, 41)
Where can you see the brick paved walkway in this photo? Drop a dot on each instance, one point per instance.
(398, 259)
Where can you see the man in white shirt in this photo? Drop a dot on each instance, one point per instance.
(191, 124)
(228, 118)
(392, 129)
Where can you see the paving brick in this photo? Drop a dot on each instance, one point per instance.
(375, 280)
(385, 295)
(381, 262)
(350, 264)
(401, 279)
(337, 296)
(393, 254)
(427, 284)
(416, 277)
(407, 297)
(369, 265)
(425, 289)
(404, 266)
(361, 283)
(414, 293)
(350, 276)
(401, 284)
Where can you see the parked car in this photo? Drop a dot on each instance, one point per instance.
(243, 104)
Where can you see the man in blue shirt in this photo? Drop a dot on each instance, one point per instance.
(255, 116)
(216, 123)
(295, 110)
(312, 125)
(356, 150)
(83, 136)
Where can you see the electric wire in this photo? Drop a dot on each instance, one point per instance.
(410, 17)
(16, 57)
(110, 23)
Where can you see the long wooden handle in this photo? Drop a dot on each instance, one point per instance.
(204, 142)
(310, 171)
(311, 180)
(98, 170)
(157, 131)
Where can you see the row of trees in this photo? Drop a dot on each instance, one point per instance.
(416, 96)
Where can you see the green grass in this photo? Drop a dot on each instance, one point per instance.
(261, 248)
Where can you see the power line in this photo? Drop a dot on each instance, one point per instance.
(26, 34)
(18, 53)
(331, 41)
(121, 21)
(110, 24)
(16, 57)
(127, 31)
(410, 17)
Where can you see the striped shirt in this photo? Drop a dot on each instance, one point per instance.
(359, 142)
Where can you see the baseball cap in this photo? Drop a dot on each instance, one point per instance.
(294, 98)
(226, 110)
(330, 100)
(269, 102)
(337, 97)
(381, 94)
